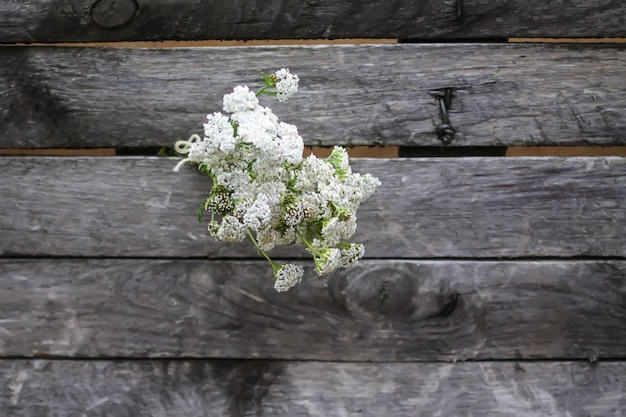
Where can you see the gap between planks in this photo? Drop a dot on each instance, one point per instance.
(365, 151)
(289, 42)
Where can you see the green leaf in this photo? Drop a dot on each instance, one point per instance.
(167, 151)
(205, 169)
(202, 208)
(235, 126)
(250, 171)
(291, 186)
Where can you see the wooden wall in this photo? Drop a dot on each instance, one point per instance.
(491, 286)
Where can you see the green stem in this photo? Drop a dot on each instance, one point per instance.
(260, 251)
(314, 251)
(261, 91)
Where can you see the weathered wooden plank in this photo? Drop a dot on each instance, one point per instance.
(266, 388)
(380, 310)
(119, 20)
(435, 207)
(518, 94)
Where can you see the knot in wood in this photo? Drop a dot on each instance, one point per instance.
(381, 294)
(112, 14)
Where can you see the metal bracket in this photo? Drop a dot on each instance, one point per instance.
(457, 5)
(459, 9)
(445, 131)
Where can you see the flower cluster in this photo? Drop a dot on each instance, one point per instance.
(265, 190)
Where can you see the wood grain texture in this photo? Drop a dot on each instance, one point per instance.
(460, 207)
(520, 94)
(123, 20)
(379, 310)
(45, 388)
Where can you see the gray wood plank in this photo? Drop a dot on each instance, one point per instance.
(432, 207)
(517, 94)
(379, 310)
(120, 20)
(45, 388)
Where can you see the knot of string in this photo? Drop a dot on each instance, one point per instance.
(183, 147)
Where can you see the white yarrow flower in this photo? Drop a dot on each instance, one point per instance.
(231, 230)
(241, 99)
(329, 261)
(291, 144)
(288, 276)
(286, 84)
(352, 254)
(219, 132)
(259, 213)
(264, 189)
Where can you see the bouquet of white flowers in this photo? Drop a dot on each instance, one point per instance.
(265, 190)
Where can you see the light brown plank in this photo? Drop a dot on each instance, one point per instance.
(566, 151)
(432, 207)
(260, 388)
(520, 94)
(376, 311)
(123, 20)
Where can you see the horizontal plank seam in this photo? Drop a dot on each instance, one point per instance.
(591, 360)
(305, 41)
(460, 41)
(296, 259)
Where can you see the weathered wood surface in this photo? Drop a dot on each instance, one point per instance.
(119, 20)
(461, 207)
(379, 310)
(45, 388)
(352, 95)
